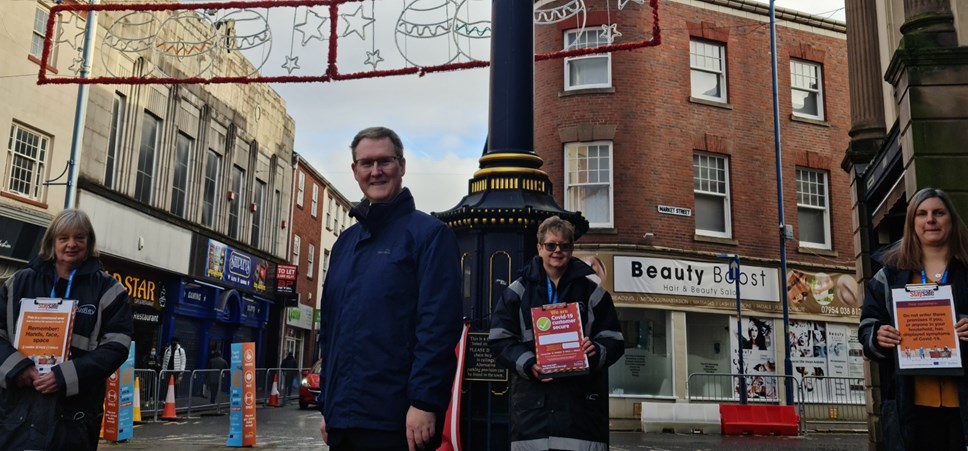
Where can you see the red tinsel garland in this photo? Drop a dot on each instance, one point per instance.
(332, 70)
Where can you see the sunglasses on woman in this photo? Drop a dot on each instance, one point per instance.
(565, 247)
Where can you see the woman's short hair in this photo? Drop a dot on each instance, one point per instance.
(68, 221)
(378, 133)
(556, 224)
(907, 253)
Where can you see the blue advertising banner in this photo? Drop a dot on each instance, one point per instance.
(242, 396)
(118, 422)
(235, 267)
(126, 406)
(235, 397)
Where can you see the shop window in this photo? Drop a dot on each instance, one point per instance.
(646, 367)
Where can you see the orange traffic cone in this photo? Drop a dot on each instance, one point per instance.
(103, 419)
(136, 415)
(169, 412)
(274, 394)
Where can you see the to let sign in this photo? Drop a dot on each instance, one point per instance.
(286, 279)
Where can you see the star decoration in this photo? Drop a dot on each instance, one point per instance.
(77, 40)
(291, 64)
(313, 27)
(610, 32)
(356, 23)
(373, 58)
(77, 64)
(622, 3)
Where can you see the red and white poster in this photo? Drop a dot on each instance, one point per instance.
(557, 337)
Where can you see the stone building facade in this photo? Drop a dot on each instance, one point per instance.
(908, 81)
(188, 186)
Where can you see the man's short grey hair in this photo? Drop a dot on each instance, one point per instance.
(378, 133)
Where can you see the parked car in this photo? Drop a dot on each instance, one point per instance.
(309, 386)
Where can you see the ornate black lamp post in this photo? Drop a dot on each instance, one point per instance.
(496, 222)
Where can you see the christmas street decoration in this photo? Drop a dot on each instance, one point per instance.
(329, 40)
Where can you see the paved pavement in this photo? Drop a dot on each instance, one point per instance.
(288, 428)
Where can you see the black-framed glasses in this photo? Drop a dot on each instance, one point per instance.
(367, 164)
(565, 247)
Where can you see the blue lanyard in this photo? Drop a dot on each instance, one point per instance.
(944, 277)
(552, 294)
(70, 280)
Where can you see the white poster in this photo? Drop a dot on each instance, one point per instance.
(855, 365)
(837, 358)
(759, 357)
(693, 278)
(808, 353)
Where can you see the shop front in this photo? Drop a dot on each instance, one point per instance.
(678, 318)
(224, 300)
(299, 326)
(19, 242)
(149, 291)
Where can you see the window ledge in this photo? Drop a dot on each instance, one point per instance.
(817, 251)
(36, 61)
(602, 231)
(25, 200)
(807, 120)
(584, 91)
(723, 105)
(716, 240)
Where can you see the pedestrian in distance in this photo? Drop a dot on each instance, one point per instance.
(565, 412)
(151, 360)
(62, 409)
(390, 313)
(289, 367)
(923, 411)
(215, 365)
(174, 361)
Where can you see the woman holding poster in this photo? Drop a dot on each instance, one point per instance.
(556, 411)
(62, 408)
(920, 411)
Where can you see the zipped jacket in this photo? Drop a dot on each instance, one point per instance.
(99, 344)
(897, 391)
(390, 318)
(570, 412)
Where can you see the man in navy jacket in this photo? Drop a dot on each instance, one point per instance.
(391, 313)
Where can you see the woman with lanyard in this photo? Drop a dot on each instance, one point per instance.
(564, 413)
(62, 408)
(920, 412)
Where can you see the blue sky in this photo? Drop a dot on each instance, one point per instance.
(442, 119)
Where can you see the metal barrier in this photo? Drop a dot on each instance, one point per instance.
(761, 389)
(164, 378)
(288, 388)
(194, 384)
(833, 401)
(148, 391)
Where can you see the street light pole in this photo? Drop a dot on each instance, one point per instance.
(80, 110)
(787, 363)
(734, 273)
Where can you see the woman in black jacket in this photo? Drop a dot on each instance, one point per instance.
(566, 413)
(62, 408)
(920, 412)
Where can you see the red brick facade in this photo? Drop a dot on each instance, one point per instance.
(655, 128)
(308, 227)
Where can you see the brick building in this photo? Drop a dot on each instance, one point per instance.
(669, 153)
(319, 214)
